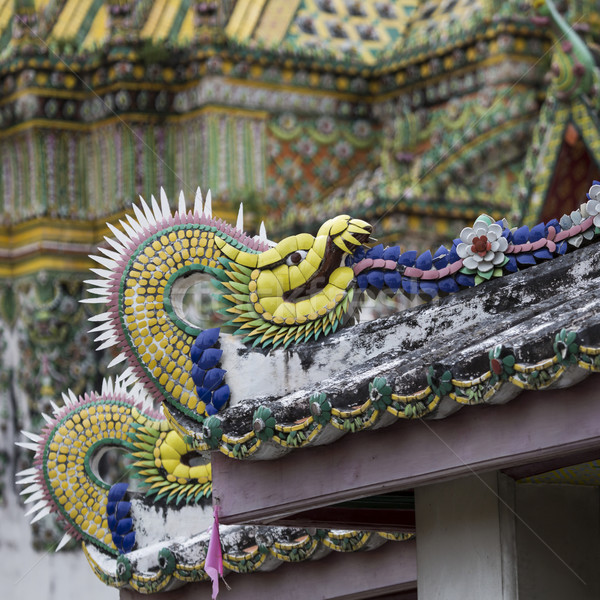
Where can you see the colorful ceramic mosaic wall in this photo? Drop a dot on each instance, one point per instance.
(308, 157)
(288, 123)
(98, 171)
(424, 157)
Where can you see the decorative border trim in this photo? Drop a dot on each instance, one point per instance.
(264, 547)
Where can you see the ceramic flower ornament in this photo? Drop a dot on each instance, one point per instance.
(482, 246)
(593, 204)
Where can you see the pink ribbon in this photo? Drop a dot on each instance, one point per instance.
(213, 566)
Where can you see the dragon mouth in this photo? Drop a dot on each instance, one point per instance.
(334, 258)
(299, 288)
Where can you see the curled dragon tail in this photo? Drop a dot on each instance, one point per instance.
(66, 478)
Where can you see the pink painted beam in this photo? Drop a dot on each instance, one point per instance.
(385, 570)
(534, 427)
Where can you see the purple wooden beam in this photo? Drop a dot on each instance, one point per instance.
(535, 426)
(390, 568)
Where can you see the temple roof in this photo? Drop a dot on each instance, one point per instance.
(369, 32)
(533, 330)
(362, 30)
(85, 25)
(424, 107)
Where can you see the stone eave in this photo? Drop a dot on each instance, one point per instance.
(171, 564)
(533, 330)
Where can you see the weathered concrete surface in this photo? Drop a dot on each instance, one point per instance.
(29, 575)
(466, 546)
(522, 311)
(558, 540)
(354, 576)
(537, 426)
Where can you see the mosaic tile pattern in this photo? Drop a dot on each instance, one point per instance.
(363, 28)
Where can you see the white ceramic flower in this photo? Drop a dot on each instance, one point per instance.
(482, 246)
(593, 204)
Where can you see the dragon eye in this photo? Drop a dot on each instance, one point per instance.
(295, 258)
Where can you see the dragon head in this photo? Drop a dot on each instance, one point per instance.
(299, 288)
